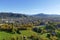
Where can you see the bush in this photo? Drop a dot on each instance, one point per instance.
(13, 38)
(48, 35)
(17, 31)
(38, 30)
(34, 37)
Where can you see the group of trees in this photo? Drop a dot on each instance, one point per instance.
(38, 30)
(51, 28)
(18, 26)
(9, 28)
(15, 27)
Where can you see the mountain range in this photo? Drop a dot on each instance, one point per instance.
(17, 15)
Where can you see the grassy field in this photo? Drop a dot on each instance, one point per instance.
(7, 36)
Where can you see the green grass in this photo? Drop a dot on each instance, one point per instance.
(27, 33)
(8, 36)
(4, 35)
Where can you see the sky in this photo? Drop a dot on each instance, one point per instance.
(30, 6)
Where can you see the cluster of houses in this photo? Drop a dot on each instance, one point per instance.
(6, 21)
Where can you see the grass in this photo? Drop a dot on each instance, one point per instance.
(8, 36)
(28, 32)
(4, 35)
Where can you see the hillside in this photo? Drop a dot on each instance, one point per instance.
(45, 15)
(19, 15)
(11, 15)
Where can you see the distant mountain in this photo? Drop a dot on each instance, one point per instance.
(11, 15)
(45, 15)
(41, 15)
(19, 15)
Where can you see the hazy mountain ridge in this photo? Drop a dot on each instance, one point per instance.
(11, 15)
(46, 15)
(16, 15)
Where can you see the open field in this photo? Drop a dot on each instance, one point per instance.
(8, 36)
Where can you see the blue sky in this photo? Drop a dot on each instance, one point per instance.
(30, 6)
